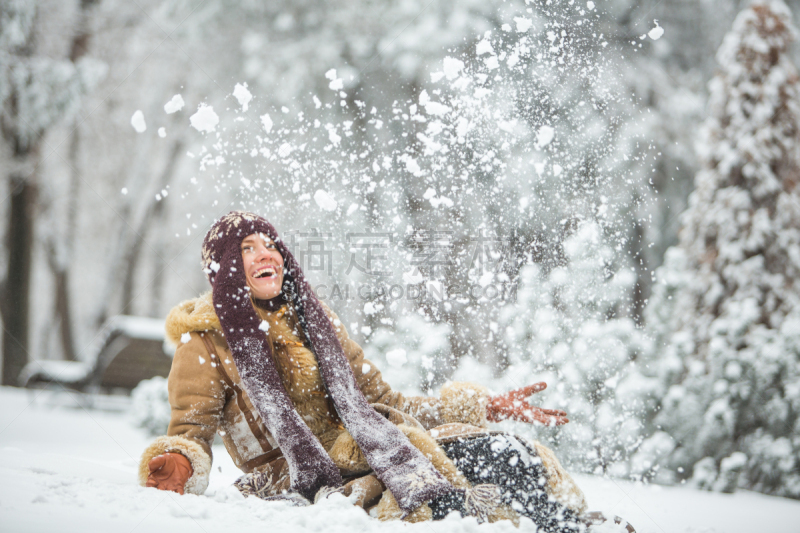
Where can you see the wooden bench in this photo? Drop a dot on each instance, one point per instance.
(128, 349)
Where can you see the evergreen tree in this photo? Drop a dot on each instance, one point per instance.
(726, 306)
(569, 328)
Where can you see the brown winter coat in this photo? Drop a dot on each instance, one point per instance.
(206, 398)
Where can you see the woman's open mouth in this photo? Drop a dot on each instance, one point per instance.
(266, 272)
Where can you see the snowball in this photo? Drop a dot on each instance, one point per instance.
(656, 32)
(264, 326)
(242, 95)
(325, 201)
(396, 358)
(174, 105)
(266, 121)
(162, 132)
(137, 121)
(523, 24)
(452, 67)
(205, 120)
(544, 136)
(186, 337)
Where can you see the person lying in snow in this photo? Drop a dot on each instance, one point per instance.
(301, 411)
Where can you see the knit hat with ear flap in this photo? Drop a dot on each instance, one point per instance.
(404, 470)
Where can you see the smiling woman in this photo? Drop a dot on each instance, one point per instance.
(265, 363)
(263, 266)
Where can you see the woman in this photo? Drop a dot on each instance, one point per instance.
(263, 362)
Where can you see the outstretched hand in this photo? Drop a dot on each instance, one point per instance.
(169, 471)
(513, 405)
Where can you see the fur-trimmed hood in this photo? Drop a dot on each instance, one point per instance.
(190, 316)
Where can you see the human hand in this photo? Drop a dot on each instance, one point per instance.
(513, 405)
(169, 471)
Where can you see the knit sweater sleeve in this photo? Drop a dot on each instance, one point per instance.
(458, 401)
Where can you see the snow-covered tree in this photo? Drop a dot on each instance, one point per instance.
(43, 78)
(411, 353)
(726, 306)
(571, 328)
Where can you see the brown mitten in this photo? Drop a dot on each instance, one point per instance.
(514, 405)
(169, 471)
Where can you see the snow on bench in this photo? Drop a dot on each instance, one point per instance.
(127, 350)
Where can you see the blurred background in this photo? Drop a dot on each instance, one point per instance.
(495, 191)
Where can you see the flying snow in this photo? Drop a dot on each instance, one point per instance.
(242, 95)
(205, 120)
(174, 105)
(162, 132)
(396, 358)
(336, 84)
(452, 67)
(484, 47)
(544, 136)
(325, 201)
(656, 32)
(266, 121)
(186, 337)
(137, 121)
(413, 277)
(523, 24)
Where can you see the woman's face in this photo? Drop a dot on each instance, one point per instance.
(263, 266)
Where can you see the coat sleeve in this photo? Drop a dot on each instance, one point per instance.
(197, 399)
(461, 402)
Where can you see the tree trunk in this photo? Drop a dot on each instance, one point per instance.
(60, 249)
(16, 294)
(154, 213)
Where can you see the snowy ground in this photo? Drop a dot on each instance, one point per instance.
(66, 467)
